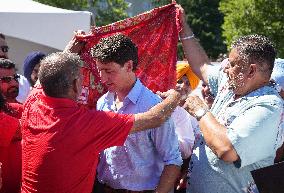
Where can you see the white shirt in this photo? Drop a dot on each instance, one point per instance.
(185, 125)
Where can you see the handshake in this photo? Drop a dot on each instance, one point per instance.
(191, 103)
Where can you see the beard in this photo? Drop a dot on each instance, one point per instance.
(232, 85)
(235, 82)
(12, 92)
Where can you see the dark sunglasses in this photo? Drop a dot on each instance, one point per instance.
(4, 49)
(7, 79)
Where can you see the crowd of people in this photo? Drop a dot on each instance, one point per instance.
(137, 141)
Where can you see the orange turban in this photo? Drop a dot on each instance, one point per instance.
(183, 68)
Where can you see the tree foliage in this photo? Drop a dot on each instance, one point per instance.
(66, 4)
(115, 11)
(105, 11)
(245, 17)
(205, 20)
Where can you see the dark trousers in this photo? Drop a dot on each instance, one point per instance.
(182, 190)
(108, 189)
(101, 188)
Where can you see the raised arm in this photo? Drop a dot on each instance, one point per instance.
(75, 45)
(194, 53)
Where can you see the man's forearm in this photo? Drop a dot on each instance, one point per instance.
(168, 179)
(214, 133)
(157, 115)
(215, 136)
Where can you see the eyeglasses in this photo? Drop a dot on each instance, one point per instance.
(4, 49)
(7, 79)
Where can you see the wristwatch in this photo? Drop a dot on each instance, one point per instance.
(200, 113)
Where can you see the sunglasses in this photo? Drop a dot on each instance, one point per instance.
(4, 49)
(7, 79)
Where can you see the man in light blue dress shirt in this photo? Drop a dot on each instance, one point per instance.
(239, 133)
(150, 160)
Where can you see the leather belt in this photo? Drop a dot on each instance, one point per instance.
(108, 189)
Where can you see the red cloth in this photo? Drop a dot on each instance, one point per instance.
(8, 128)
(10, 149)
(156, 35)
(62, 141)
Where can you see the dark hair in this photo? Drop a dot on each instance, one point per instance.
(57, 72)
(4, 106)
(2, 36)
(6, 63)
(256, 49)
(117, 48)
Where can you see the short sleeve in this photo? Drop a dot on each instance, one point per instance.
(253, 133)
(111, 128)
(8, 127)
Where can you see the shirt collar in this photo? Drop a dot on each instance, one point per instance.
(37, 92)
(133, 94)
(267, 89)
(109, 97)
(59, 102)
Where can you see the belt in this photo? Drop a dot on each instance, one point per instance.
(108, 189)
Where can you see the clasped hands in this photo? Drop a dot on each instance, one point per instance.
(192, 102)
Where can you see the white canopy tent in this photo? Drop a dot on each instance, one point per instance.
(32, 26)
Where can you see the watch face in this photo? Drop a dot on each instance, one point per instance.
(200, 112)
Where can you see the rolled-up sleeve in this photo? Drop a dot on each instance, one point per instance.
(166, 143)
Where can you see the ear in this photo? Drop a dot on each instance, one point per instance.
(129, 65)
(252, 70)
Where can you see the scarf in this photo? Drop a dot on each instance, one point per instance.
(155, 33)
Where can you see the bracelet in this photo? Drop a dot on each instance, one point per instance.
(187, 37)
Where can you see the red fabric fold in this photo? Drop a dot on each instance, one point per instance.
(8, 128)
(156, 35)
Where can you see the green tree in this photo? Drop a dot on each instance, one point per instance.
(114, 10)
(66, 4)
(205, 20)
(245, 17)
(105, 11)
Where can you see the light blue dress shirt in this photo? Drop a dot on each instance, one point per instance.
(252, 125)
(138, 164)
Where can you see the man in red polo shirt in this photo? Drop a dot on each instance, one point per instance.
(10, 150)
(10, 145)
(9, 177)
(61, 140)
